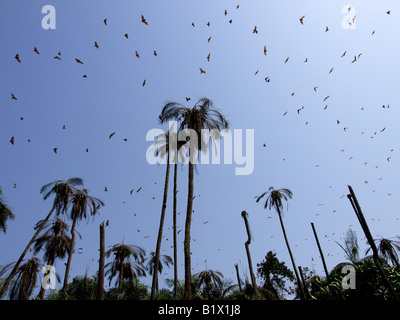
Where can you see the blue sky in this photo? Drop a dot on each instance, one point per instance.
(303, 149)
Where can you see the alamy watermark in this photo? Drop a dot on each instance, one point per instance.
(349, 280)
(349, 20)
(49, 20)
(49, 279)
(189, 152)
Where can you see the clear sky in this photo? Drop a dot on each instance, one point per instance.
(306, 149)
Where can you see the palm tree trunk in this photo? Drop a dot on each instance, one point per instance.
(50, 262)
(71, 250)
(16, 266)
(175, 234)
(121, 279)
(320, 251)
(364, 226)
(291, 255)
(188, 266)
(100, 281)
(154, 286)
(246, 244)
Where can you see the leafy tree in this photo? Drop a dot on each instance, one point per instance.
(275, 275)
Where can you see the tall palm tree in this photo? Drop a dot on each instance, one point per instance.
(5, 213)
(151, 261)
(163, 150)
(56, 244)
(63, 191)
(25, 280)
(122, 265)
(274, 200)
(387, 248)
(83, 206)
(201, 116)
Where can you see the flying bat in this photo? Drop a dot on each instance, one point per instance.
(17, 58)
(144, 21)
(137, 54)
(111, 135)
(202, 71)
(301, 19)
(78, 61)
(96, 45)
(265, 50)
(255, 30)
(36, 50)
(144, 83)
(105, 21)
(13, 97)
(126, 35)
(12, 140)
(208, 58)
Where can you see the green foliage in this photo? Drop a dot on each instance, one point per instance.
(131, 289)
(275, 275)
(369, 283)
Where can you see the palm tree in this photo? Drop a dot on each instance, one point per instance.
(201, 116)
(63, 191)
(208, 277)
(83, 206)
(56, 244)
(5, 213)
(122, 265)
(274, 199)
(25, 280)
(387, 248)
(163, 149)
(151, 262)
